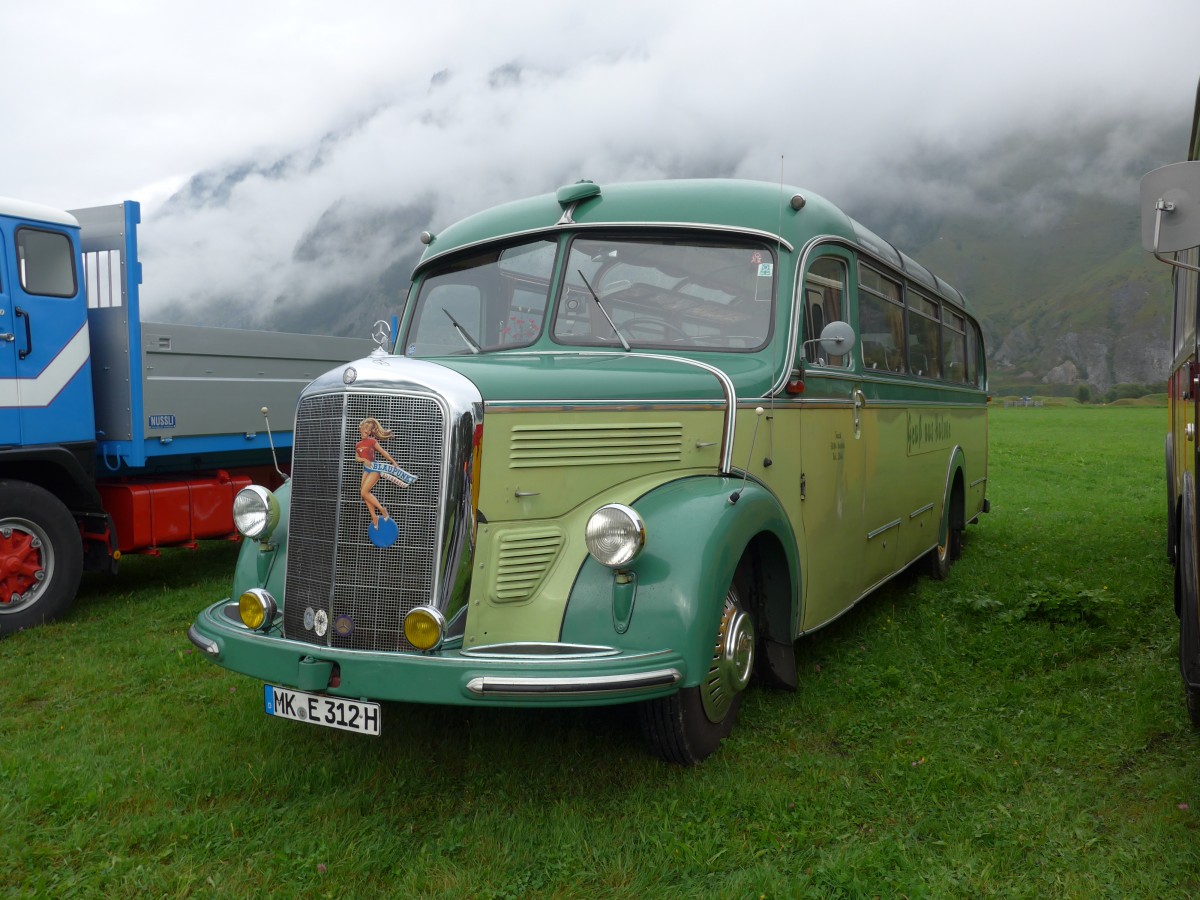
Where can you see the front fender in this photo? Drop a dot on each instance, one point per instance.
(695, 538)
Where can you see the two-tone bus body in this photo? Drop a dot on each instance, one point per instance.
(611, 459)
(1170, 200)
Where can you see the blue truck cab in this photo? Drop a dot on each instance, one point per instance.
(118, 435)
(45, 370)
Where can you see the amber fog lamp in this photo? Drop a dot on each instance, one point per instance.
(615, 535)
(257, 609)
(425, 628)
(255, 512)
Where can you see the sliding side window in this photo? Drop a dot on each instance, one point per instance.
(881, 321)
(824, 302)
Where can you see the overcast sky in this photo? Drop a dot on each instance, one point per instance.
(455, 105)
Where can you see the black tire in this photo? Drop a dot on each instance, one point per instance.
(938, 560)
(942, 556)
(1189, 602)
(1170, 455)
(687, 727)
(41, 556)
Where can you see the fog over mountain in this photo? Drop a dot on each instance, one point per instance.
(300, 241)
(287, 154)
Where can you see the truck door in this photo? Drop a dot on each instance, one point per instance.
(10, 416)
(49, 348)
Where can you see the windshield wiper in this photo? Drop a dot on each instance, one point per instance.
(472, 344)
(600, 306)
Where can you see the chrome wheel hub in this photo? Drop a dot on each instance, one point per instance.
(732, 660)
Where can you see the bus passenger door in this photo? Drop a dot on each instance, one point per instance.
(832, 455)
(880, 431)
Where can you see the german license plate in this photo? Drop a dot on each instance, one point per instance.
(321, 709)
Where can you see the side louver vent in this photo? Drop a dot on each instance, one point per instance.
(524, 559)
(595, 445)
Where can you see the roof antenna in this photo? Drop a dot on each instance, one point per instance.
(737, 495)
(271, 441)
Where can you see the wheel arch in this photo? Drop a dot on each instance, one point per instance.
(696, 539)
(954, 497)
(58, 470)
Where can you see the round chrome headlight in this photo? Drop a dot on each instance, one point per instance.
(615, 535)
(255, 512)
(257, 609)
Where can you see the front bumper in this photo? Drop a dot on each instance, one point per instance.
(502, 675)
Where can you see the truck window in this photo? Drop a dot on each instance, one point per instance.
(46, 262)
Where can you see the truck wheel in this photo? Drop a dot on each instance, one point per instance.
(41, 556)
(688, 726)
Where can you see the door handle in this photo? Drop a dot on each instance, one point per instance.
(860, 400)
(22, 314)
(8, 337)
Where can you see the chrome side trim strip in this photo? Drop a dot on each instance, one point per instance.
(538, 650)
(924, 509)
(489, 686)
(881, 529)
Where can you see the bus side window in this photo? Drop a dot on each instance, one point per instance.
(1185, 303)
(924, 336)
(973, 374)
(954, 345)
(824, 302)
(880, 320)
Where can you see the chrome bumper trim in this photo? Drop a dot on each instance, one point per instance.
(488, 686)
(209, 647)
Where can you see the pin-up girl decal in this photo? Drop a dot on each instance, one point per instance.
(372, 434)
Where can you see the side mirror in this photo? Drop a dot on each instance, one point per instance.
(1170, 203)
(836, 338)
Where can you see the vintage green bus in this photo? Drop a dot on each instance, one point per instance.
(1170, 200)
(628, 444)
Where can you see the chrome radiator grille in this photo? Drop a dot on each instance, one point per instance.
(341, 589)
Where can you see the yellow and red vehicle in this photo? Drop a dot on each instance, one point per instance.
(1170, 200)
(630, 442)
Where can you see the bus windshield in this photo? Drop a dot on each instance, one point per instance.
(668, 292)
(493, 300)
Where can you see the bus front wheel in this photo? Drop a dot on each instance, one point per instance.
(688, 726)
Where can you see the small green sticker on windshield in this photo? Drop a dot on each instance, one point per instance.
(766, 270)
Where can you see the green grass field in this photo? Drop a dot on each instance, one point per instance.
(1016, 731)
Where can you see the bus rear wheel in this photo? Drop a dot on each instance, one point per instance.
(687, 727)
(1188, 596)
(41, 556)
